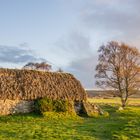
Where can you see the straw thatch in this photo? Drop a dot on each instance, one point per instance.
(31, 85)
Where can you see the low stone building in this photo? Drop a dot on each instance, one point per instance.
(19, 89)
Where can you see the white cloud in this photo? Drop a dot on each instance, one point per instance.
(16, 54)
(115, 19)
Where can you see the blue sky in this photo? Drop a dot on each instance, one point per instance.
(66, 33)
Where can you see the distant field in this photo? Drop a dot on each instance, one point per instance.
(105, 93)
(115, 101)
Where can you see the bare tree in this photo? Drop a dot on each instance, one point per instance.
(59, 70)
(38, 66)
(119, 69)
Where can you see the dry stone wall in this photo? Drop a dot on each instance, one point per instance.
(15, 106)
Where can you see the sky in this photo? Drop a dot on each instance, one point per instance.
(65, 33)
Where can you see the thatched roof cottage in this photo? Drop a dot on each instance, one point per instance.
(19, 89)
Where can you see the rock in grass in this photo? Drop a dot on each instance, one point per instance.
(120, 108)
(92, 110)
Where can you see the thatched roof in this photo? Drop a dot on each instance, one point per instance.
(31, 84)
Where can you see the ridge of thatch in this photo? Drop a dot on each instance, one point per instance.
(31, 85)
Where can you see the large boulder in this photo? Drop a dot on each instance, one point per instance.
(92, 110)
(86, 108)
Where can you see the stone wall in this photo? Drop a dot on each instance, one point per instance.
(8, 107)
(15, 106)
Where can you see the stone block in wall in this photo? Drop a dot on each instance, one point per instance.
(15, 106)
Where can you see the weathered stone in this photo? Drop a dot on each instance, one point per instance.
(91, 109)
(121, 108)
(78, 107)
(15, 106)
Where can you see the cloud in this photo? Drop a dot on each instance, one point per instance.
(117, 19)
(15, 54)
(84, 70)
(82, 58)
(74, 46)
(71, 47)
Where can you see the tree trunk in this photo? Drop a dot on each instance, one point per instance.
(124, 100)
(123, 103)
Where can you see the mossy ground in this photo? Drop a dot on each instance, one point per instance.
(120, 125)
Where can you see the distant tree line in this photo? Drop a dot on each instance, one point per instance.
(42, 66)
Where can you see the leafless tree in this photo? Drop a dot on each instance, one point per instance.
(119, 69)
(59, 70)
(38, 66)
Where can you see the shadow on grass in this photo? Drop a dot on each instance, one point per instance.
(120, 125)
(20, 117)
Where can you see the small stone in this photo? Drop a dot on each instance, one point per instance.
(120, 108)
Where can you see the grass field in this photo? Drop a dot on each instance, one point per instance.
(120, 125)
(115, 101)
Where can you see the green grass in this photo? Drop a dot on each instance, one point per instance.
(115, 101)
(120, 125)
